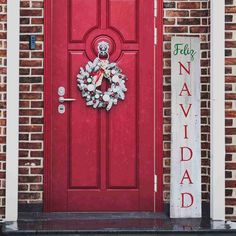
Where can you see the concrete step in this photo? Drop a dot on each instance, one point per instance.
(119, 224)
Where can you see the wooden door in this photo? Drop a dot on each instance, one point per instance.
(99, 160)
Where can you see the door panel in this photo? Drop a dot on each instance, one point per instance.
(103, 161)
(123, 132)
(86, 20)
(117, 21)
(84, 146)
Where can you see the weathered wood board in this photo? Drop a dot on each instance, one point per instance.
(185, 199)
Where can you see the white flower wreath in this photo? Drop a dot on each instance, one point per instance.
(90, 79)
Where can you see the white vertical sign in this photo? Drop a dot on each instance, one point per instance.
(185, 199)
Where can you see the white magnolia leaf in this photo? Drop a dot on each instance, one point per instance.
(90, 103)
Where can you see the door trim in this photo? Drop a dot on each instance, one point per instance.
(48, 108)
(159, 202)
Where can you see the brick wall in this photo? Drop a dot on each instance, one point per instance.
(230, 87)
(187, 18)
(31, 103)
(3, 20)
(181, 17)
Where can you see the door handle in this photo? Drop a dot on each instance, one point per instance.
(62, 99)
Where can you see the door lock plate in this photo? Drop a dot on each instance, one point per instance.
(61, 109)
(61, 91)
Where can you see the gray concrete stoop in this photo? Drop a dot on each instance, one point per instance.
(114, 224)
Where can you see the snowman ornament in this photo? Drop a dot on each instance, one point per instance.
(90, 78)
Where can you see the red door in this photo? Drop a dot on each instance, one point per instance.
(99, 160)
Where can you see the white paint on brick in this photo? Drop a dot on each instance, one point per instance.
(234, 193)
(233, 138)
(233, 69)
(233, 174)
(233, 154)
(234, 34)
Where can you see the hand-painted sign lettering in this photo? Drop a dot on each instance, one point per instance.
(186, 139)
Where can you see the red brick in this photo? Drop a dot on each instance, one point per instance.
(175, 13)
(199, 13)
(36, 187)
(37, 71)
(230, 61)
(230, 44)
(24, 21)
(37, 120)
(36, 153)
(230, 9)
(176, 29)
(230, 183)
(169, 21)
(24, 4)
(37, 21)
(230, 79)
(23, 137)
(230, 131)
(199, 29)
(23, 153)
(230, 96)
(231, 113)
(36, 171)
(23, 170)
(188, 5)
(31, 29)
(230, 26)
(37, 54)
(37, 104)
(24, 104)
(24, 120)
(26, 195)
(37, 4)
(23, 187)
(31, 146)
(30, 96)
(230, 166)
(30, 128)
(27, 12)
(188, 21)
(24, 87)
(27, 162)
(31, 63)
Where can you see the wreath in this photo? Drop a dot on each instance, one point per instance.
(89, 81)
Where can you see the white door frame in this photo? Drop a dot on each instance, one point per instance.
(12, 140)
(217, 199)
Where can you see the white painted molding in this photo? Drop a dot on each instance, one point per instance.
(13, 17)
(217, 110)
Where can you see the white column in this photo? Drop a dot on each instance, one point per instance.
(13, 17)
(217, 110)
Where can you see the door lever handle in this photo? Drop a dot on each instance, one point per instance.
(62, 99)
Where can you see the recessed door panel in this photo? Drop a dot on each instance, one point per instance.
(84, 125)
(84, 17)
(123, 131)
(123, 17)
